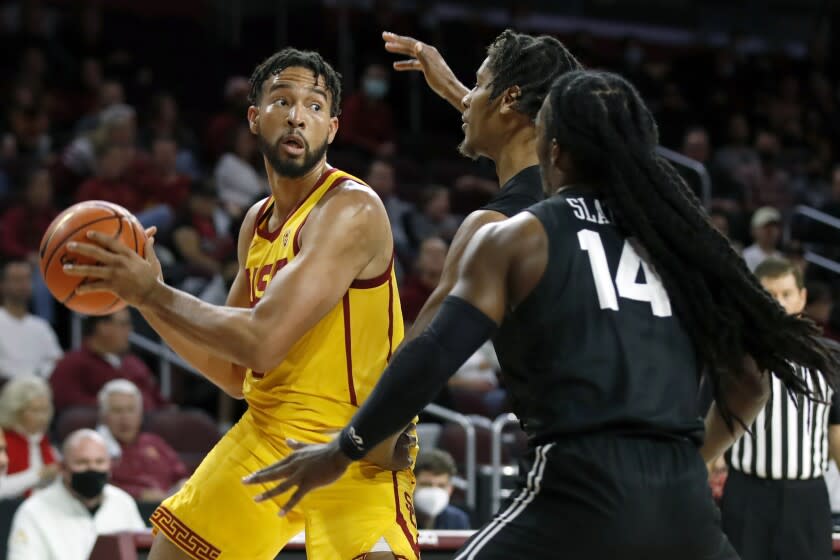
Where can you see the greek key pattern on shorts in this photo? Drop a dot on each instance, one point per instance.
(183, 536)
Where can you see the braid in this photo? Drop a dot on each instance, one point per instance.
(721, 304)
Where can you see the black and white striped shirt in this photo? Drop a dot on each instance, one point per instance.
(793, 444)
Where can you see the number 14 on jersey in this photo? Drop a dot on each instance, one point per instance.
(651, 290)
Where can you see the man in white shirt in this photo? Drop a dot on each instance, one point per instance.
(28, 345)
(63, 521)
(766, 231)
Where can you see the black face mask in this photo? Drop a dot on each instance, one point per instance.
(88, 484)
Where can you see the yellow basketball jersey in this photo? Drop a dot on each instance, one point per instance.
(333, 367)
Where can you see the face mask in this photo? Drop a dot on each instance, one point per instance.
(88, 484)
(375, 88)
(431, 501)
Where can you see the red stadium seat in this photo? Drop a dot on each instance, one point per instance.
(192, 433)
(74, 419)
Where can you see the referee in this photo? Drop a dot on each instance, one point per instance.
(775, 502)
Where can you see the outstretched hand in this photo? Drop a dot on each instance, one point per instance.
(427, 59)
(118, 269)
(307, 468)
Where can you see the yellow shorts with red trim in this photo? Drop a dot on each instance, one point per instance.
(214, 516)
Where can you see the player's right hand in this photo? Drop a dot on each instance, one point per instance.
(424, 58)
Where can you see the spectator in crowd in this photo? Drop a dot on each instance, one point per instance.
(821, 309)
(696, 144)
(104, 356)
(434, 218)
(434, 471)
(29, 125)
(221, 126)
(205, 254)
(381, 178)
(163, 183)
(420, 284)
(116, 126)
(735, 165)
(25, 414)
(772, 185)
(63, 521)
(478, 376)
(164, 122)
(144, 465)
(367, 120)
(28, 344)
(720, 220)
(21, 228)
(112, 183)
(766, 232)
(237, 179)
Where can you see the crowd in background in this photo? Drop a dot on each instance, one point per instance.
(92, 109)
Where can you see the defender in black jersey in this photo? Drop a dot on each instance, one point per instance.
(612, 295)
(498, 117)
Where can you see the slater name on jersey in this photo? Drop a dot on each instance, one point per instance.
(597, 215)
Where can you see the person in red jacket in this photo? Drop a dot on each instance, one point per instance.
(143, 464)
(25, 414)
(104, 355)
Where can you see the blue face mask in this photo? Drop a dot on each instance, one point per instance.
(375, 88)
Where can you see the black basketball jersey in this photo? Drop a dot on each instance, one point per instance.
(596, 346)
(518, 193)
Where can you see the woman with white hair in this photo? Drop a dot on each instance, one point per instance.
(25, 414)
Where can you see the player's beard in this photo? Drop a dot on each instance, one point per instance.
(290, 168)
(467, 150)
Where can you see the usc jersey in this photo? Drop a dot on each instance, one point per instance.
(334, 366)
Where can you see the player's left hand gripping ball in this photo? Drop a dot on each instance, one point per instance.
(308, 468)
(119, 269)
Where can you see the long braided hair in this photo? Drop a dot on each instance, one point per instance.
(600, 120)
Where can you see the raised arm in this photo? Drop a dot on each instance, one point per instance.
(427, 59)
(502, 264)
(347, 236)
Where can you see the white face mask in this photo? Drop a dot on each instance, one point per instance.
(431, 501)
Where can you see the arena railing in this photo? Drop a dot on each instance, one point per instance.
(694, 166)
(167, 357)
(498, 427)
(822, 218)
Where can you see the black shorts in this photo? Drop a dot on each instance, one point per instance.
(605, 498)
(777, 518)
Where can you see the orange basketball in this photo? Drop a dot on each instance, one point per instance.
(73, 225)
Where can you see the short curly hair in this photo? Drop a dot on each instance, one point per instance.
(289, 57)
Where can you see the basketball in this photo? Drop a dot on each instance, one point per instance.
(73, 225)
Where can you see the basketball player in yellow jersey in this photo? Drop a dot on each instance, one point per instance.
(312, 319)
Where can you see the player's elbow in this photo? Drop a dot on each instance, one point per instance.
(266, 358)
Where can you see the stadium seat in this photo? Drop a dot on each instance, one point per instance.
(74, 419)
(191, 432)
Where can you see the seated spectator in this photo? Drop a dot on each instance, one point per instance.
(25, 414)
(116, 125)
(479, 376)
(766, 232)
(772, 186)
(63, 521)
(420, 284)
(104, 356)
(28, 344)
(237, 179)
(205, 254)
(434, 218)
(366, 117)
(221, 125)
(162, 183)
(144, 465)
(23, 225)
(434, 470)
(720, 221)
(821, 309)
(164, 122)
(380, 177)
